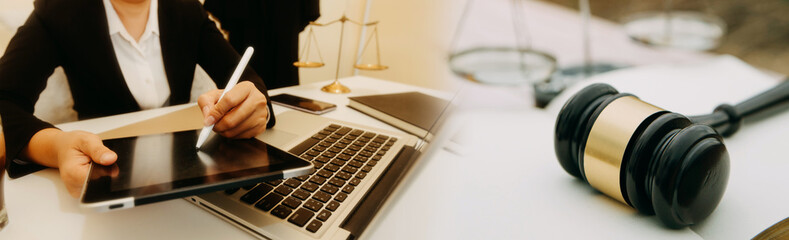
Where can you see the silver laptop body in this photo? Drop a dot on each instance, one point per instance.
(346, 221)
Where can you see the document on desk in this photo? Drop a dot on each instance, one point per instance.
(161, 120)
(756, 195)
(413, 112)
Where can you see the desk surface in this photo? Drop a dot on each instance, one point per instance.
(543, 201)
(39, 207)
(467, 194)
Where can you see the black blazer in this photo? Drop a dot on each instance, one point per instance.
(272, 27)
(74, 34)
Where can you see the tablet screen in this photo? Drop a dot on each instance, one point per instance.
(169, 163)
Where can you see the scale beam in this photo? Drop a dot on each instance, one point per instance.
(336, 86)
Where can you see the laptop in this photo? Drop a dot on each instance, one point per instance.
(356, 169)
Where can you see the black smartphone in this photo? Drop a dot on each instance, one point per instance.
(302, 104)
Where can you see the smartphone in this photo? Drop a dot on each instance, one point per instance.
(302, 103)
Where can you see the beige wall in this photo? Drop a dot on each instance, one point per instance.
(5, 37)
(414, 37)
(329, 39)
(12, 14)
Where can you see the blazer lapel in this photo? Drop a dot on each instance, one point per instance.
(178, 66)
(109, 76)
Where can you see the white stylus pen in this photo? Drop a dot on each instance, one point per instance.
(232, 83)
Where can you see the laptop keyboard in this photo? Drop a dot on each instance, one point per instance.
(342, 157)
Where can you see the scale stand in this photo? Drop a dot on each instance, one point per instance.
(336, 86)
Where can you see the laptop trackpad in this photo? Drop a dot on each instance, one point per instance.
(293, 127)
(278, 138)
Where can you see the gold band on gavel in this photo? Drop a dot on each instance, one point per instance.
(607, 142)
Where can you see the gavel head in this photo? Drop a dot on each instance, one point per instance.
(651, 159)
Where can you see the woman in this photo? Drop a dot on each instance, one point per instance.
(119, 56)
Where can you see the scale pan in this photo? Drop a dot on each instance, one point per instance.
(503, 65)
(370, 66)
(308, 64)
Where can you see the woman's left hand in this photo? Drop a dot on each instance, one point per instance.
(241, 113)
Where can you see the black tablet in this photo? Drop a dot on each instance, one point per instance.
(159, 167)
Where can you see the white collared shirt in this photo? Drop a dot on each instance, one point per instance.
(140, 62)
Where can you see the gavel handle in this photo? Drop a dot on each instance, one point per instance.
(727, 119)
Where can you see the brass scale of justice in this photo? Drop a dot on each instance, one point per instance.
(336, 87)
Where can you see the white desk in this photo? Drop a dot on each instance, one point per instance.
(506, 184)
(509, 185)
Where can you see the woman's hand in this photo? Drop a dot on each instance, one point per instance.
(241, 113)
(71, 152)
(75, 152)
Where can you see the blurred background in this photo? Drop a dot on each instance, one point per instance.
(757, 31)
